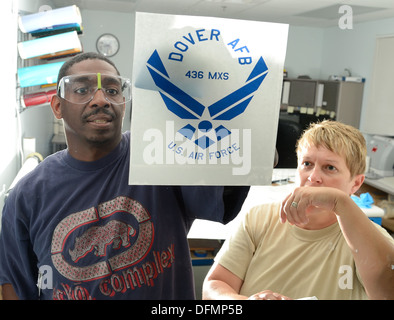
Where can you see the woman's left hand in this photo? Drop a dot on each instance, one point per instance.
(304, 201)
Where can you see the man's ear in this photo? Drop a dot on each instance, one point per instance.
(124, 110)
(357, 183)
(56, 109)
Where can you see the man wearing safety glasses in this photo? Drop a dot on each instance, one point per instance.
(92, 106)
(74, 229)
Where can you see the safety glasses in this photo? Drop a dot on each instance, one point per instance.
(81, 88)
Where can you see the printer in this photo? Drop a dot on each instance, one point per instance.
(380, 151)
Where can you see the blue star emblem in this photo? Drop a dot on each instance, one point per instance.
(186, 107)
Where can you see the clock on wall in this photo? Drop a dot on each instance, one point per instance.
(107, 44)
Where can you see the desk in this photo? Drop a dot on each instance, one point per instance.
(384, 190)
(385, 184)
(203, 229)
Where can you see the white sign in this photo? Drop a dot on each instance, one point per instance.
(206, 99)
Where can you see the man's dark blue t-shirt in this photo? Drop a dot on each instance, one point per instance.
(90, 235)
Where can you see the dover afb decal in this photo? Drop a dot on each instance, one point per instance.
(206, 99)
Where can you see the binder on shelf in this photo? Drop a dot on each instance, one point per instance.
(60, 55)
(53, 31)
(285, 92)
(39, 75)
(319, 95)
(50, 46)
(55, 20)
(37, 98)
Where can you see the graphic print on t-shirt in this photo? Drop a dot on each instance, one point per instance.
(96, 243)
(98, 238)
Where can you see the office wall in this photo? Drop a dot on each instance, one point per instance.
(354, 49)
(303, 56)
(304, 52)
(119, 24)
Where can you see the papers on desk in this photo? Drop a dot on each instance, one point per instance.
(385, 184)
(309, 298)
(204, 229)
(388, 181)
(283, 175)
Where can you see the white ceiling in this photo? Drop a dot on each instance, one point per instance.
(313, 13)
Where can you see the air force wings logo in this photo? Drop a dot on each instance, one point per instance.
(186, 107)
